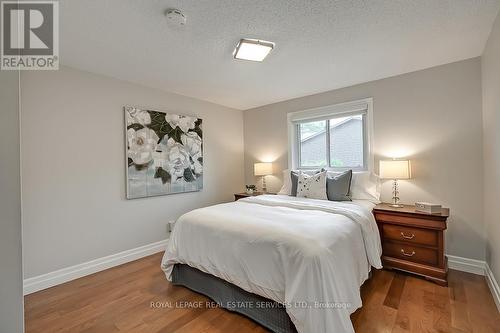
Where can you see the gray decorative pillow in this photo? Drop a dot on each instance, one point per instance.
(338, 188)
(294, 176)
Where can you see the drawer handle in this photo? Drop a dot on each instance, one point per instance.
(407, 237)
(407, 254)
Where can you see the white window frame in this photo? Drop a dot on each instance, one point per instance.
(327, 112)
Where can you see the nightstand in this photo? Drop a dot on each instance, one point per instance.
(238, 196)
(413, 241)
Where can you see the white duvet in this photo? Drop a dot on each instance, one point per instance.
(311, 255)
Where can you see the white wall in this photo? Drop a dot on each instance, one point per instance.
(491, 140)
(11, 294)
(73, 167)
(432, 116)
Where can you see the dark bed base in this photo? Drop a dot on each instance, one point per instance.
(266, 312)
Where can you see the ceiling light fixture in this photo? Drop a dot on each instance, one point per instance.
(175, 17)
(252, 49)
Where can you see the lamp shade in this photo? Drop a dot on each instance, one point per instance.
(263, 169)
(395, 169)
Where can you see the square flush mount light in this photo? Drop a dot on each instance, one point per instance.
(252, 49)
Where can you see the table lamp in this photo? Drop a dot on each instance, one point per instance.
(263, 169)
(395, 170)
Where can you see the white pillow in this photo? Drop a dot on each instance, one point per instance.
(287, 183)
(313, 187)
(365, 186)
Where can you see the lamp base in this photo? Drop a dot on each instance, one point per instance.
(395, 195)
(396, 205)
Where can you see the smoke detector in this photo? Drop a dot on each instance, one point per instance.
(175, 17)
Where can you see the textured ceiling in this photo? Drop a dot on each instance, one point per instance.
(320, 45)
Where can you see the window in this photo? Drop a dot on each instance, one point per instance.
(334, 137)
(346, 142)
(313, 144)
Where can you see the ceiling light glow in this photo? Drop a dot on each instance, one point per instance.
(252, 49)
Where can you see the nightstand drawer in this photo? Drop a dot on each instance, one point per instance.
(410, 235)
(411, 253)
(414, 220)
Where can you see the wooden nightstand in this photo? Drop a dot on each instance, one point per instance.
(413, 241)
(238, 196)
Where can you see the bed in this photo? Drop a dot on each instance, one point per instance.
(310, 256)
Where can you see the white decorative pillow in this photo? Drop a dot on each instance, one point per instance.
(286, 189)
(313, 187)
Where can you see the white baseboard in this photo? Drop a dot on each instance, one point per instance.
(467, 265)
(478, 267)
(492, 283)
(51, 279)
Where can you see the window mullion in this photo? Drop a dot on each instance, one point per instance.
(299, 148)
(328, 162)
(365, 142)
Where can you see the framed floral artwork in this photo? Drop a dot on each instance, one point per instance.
(164, 153)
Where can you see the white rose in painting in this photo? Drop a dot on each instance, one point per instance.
(141, 145)
(178, 159)
(192, 142)
(137, 116)
(185, 123)
(172, 119)
(160, 159)
(197, 165)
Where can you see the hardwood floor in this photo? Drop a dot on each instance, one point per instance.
(135, 297)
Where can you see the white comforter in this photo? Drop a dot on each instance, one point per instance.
(311, 255)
